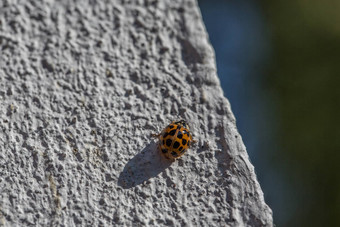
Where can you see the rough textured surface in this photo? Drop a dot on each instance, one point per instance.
(82, 87)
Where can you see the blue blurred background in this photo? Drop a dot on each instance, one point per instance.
(279, 66)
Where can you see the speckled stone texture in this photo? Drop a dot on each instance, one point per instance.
(83, 84)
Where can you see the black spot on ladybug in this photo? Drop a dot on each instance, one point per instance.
(164, 151)
(183, 151)
(163, 142)
(172, 132)
(168, 142)
(180, 149)
(171, 126)
(179, 135)
(188, 143)
(174, 154)
(184, 141)
(176, 145)
(179, 127)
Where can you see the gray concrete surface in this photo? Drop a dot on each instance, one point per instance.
(83, 84)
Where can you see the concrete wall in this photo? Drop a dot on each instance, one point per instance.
(83, 84)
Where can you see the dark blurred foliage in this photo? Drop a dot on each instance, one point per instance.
(279, 65)
(304, 78)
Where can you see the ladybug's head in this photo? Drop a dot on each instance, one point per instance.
(182, 123)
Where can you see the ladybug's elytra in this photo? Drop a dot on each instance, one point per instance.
(175, 139)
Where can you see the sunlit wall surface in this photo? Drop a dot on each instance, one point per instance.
(279, 65)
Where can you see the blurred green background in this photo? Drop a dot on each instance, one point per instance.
(279, 65)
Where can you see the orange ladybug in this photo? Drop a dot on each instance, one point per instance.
(175, 139)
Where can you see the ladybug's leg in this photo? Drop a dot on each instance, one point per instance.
(155, 135)
(193, 142)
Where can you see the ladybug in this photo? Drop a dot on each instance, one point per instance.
(175, 139)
